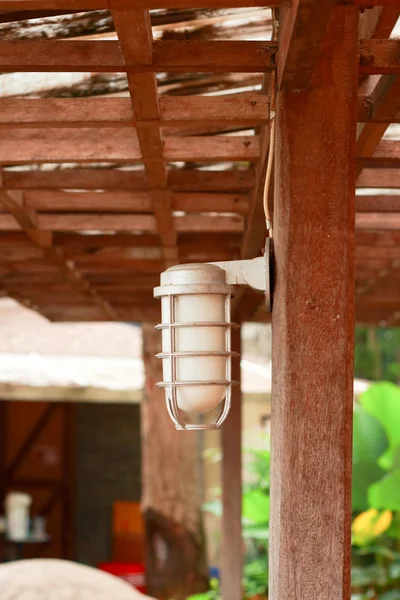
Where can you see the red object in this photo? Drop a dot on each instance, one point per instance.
(134, 574)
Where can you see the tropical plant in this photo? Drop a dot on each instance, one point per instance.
(376, 493)
(255, 521)
(376, 503)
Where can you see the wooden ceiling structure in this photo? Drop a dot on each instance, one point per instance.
(135, 135)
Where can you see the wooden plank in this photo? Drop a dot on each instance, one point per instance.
(42, 239)
(73, 145)
(384, 101)
(90, 179)
(184, 56)
(367, 114)
(192, 180)
(251, 109)
(63, 112)
(143, 90)
(231, 440)
(96, 222)
(21, 146)
(207, 223)
(131, 202)
(132, 222)
(71, 5)
(379, 178)
(378, 22)
(379, 57)
(313, 324)
(373, 252)
(385, 156)
(389, 220)
(378, 238)
(301, 32)
(213, 148)
(179, 180)
(117, 201)
(378, 203)
(77, 242)
(234, 203)
(188, 111)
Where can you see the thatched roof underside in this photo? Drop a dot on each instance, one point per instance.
(123, 153)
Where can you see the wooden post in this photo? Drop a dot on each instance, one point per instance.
(175, 554)
(232, 550)
(313, 323)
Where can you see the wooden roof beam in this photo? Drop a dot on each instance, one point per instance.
(386, 154)
(378, 203)
(21, 146)
(183, 56)
(59, 6)
(301, 32)
(81, 5)
(132, 202)
(185, 111)
(379, 178)
(379, 57)
(131, 222)
(384, 102)
(179, 180)
(138, 48)
(43, 240)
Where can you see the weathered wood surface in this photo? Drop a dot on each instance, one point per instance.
(183, 180)
(170, 131)
(117, 145)
(313, 322)
(302, 30)
(231, 440)
(106, 56)
(117, 112)
(176, 561)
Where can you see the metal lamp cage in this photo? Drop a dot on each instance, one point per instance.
(171, 292)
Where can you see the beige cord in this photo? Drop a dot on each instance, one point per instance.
(272, 106)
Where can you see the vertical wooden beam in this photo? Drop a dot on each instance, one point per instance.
(313, 324)
(232, 548)
(175, 546)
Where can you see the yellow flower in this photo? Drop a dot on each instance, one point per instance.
(369, 525)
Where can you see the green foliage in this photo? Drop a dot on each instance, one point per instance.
(255, 520)
(364, 475)
(376, 503)
(382, 401)
(377, 354)
(385, 494)
(369, 436)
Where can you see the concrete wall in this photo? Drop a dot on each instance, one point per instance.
(107, 469)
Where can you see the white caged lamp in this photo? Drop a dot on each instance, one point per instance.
(196, 333)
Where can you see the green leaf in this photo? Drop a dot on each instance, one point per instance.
(385, 494)
(377, 550)
(391, 595)
(256, 507)
(360, 577)
(382, 400)
(259, 532)
(364, 475)
(369, 437)
(394, 529)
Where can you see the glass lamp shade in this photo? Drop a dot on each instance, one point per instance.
(194, 367)
(196, 334)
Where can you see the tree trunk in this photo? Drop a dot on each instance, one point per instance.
(175, 558)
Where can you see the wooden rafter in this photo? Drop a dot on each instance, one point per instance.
(174, 171)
